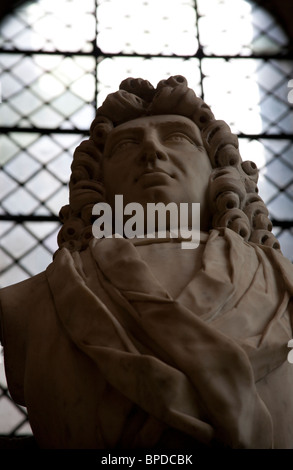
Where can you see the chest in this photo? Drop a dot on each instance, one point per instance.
(171, 265)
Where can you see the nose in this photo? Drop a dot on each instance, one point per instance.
(152, 149)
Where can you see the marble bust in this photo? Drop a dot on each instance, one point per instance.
(133, 342)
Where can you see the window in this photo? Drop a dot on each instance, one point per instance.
(59, 60)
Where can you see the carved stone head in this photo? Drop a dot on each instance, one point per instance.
(227, 188)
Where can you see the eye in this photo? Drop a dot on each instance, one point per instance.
(178, 137)
(123, 145)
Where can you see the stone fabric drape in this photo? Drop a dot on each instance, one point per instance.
(103, 355)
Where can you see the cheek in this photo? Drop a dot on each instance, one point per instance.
(205, 170)
(198, 164)
(115, 178)
(199, 174)
(109, 178)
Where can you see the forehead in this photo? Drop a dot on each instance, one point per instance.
(160, 122)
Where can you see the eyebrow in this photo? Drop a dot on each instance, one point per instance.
(183, 126)
(121, 133)
(189, 129)
(132, 130)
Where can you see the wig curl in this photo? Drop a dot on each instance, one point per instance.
(233, 194)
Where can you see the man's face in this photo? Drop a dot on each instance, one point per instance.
(157, 159)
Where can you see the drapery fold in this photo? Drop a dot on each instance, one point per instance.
(161, 352)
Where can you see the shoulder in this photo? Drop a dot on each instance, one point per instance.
(17, 300)
(17, 303)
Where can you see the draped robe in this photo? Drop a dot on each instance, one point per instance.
(104, 355)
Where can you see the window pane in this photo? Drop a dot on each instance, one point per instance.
(274, 160)
(26, 249)
(147, 27)
(285, 237)
(250, 94)
(48, 91)
(238, 27)
(41, 168)
(112, 71)
(50, 25)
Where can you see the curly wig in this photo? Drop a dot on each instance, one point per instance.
(233, 194)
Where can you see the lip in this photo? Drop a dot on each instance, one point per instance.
(152, 171)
